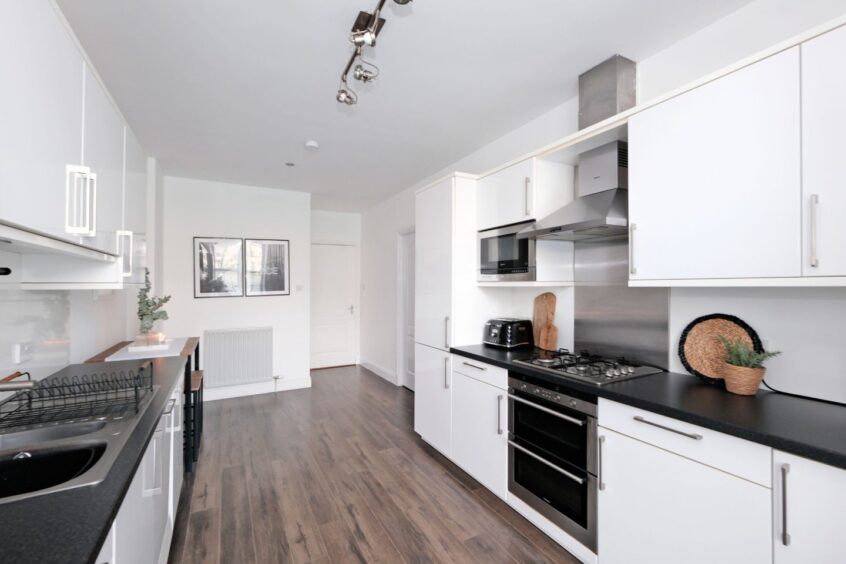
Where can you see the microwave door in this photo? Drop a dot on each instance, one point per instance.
(502, 256)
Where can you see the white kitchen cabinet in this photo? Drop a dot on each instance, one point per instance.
(480, 431)
(433, 397)
(103, 147)
(133, 239)
(714, 178)
(823, 147)
(656, 507)
(528, 190)
(40, 112)
(812, 497)
(177, 460)
(433, 265)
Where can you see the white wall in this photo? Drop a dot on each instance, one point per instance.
(380, 229)
(335, 228)
(215, 209)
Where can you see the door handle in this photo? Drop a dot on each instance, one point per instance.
(526, 186)
(125, 250)
(785, 536)
(632, 267)
(446, 373)
(499, 429)
(76, 199)
(547, 463)
(446, 332)
(599, 463)
(552, 412)
(352, 309)
(694, 436)
(91, 205)
(170, 405)
(815, 202)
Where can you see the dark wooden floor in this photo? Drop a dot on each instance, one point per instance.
(336, 474)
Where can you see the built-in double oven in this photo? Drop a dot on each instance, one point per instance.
(552, 454)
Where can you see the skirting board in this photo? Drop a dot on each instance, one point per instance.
(573, 546)
(281, 385)
(389, 375)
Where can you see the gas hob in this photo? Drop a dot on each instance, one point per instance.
(586, 367)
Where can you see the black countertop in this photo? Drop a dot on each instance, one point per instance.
(813, 429)
(71, 525)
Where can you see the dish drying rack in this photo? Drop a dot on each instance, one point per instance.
(85, 396)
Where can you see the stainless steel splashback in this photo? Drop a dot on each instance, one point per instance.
(612, 319)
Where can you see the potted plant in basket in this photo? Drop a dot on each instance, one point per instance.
(744, 368)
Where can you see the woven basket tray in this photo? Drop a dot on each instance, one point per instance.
(700, 349)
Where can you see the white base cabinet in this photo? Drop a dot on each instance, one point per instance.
(142, 531)
(480, 431)
(433, 397)
(812, 497)
(657, 507)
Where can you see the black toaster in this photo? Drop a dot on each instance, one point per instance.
(508, 333)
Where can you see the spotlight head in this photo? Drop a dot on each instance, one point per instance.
(365, 37)
(363, 74)
(402, 2)
(345, 96)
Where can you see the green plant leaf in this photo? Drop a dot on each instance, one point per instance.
(739, 353)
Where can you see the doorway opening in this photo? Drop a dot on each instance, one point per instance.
(405, 310)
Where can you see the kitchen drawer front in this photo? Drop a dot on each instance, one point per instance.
(487, 373)
(739, 457)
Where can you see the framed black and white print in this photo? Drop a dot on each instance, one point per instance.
(218, 267)
(268, 271)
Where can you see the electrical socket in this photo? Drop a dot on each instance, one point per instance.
(21, 352)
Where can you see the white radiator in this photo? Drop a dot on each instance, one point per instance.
(237, 356)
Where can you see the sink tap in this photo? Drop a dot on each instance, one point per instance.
(8, 385)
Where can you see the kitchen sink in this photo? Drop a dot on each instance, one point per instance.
(33, 470)
(45, 434)
(56, 456)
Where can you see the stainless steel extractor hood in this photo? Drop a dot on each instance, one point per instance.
(601, 208)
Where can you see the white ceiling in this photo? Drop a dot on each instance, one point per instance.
(230, 90)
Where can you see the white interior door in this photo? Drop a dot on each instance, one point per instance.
(334, 306)
(407, 363)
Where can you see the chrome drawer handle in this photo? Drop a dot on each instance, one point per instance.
(549, 464)
(599, 463)
(474, 366)
(499, 428)
(694, 436)
(170, 405)
(552, 412)
(785, 536)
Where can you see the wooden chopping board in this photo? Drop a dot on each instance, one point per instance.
(544, 330)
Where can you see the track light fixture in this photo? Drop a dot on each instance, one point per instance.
(364, 32)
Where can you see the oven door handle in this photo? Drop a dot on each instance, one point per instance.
(558, 469)
(573, 420)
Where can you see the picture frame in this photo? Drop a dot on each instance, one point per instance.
(267, 267)
(218, 267)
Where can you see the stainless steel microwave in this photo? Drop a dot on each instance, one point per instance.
(505, 258)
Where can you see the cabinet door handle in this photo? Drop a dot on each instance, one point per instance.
(527, 196)
(601, 441)
(76, 199)
(482, 368)
(446, 331)
(91, 205)
(815, 203)
(785, 537)
(632, 267)
(499, 429)
(171, 402)
(124, 246)
(446, 373)
(694, 436)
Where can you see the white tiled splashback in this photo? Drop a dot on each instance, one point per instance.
(58, 328)
(808, 325)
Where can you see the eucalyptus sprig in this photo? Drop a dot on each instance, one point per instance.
(149, 308)
(739, 353)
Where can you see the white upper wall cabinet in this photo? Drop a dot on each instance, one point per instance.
(528, 190)
(823, 147)
(714, 178)
(433, 265)
(103, 154)
(133, 241)
(40, 113)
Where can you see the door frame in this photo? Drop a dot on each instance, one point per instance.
(356, 299)
(400, 317)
